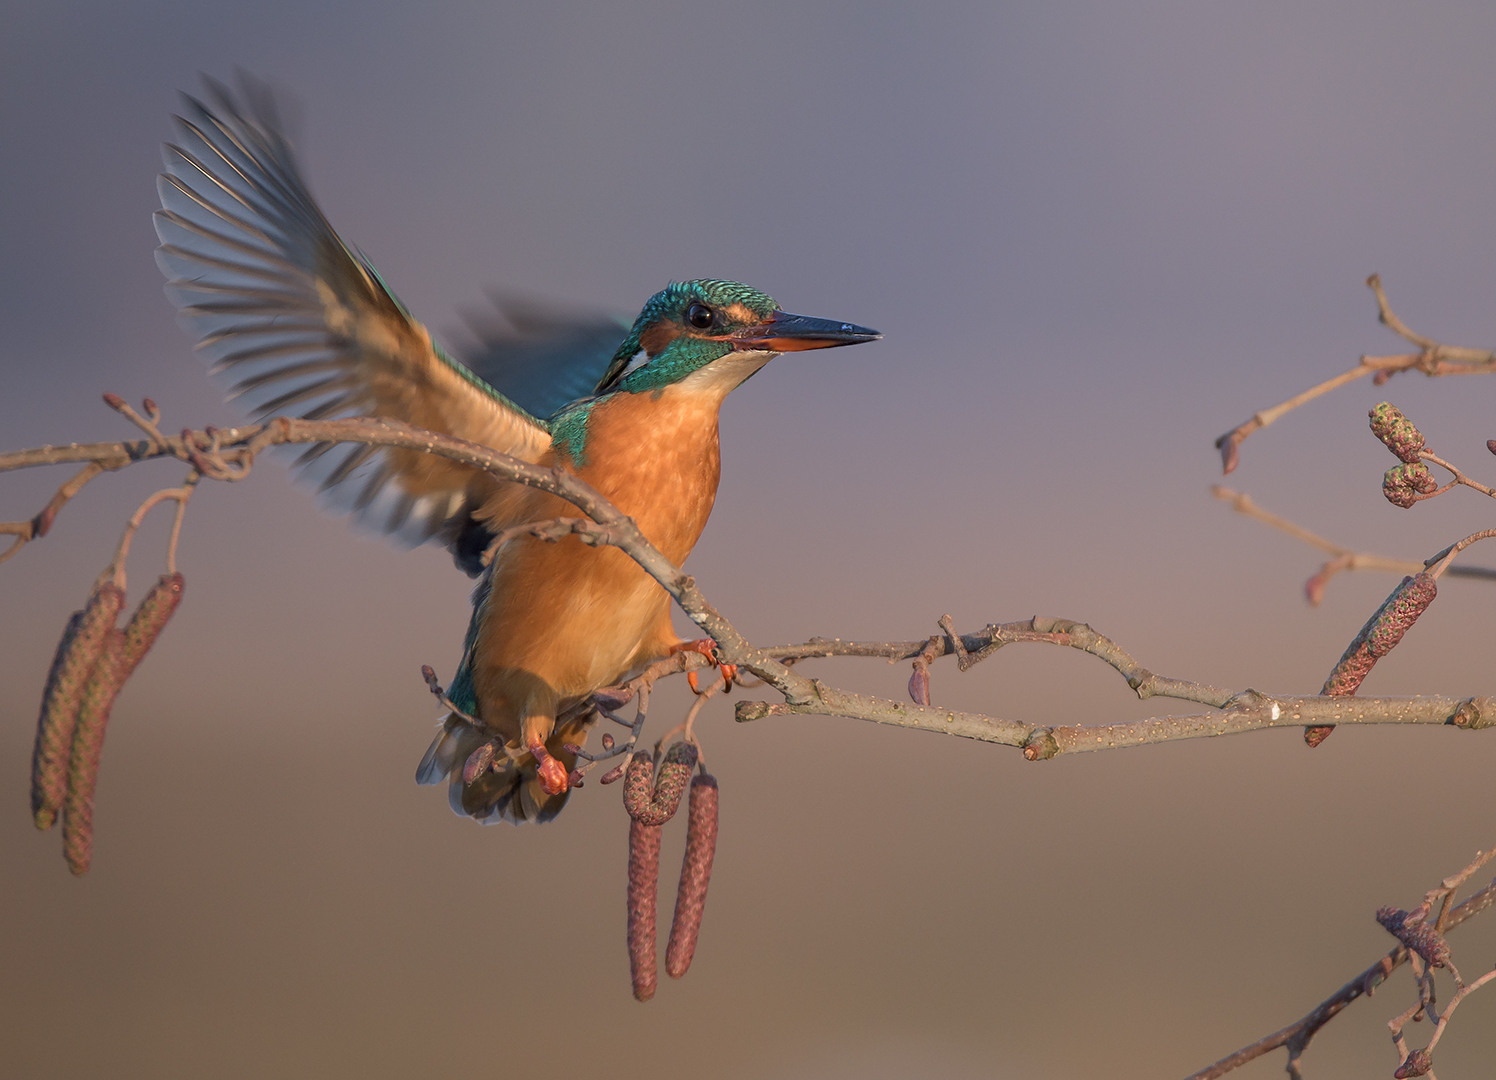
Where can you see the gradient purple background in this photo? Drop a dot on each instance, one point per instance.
(1094, 235)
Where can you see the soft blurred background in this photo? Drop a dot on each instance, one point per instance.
(1095, 236)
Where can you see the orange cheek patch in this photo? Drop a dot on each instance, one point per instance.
(741, 313)
(656, 337)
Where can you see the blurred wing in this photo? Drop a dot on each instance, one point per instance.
(300, 323)
(540, 358)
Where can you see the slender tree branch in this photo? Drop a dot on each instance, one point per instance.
(1296, 1036)
(229, 454)
(1344, 558)
(1433, 359)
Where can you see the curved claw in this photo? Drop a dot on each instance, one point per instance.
(708, 648)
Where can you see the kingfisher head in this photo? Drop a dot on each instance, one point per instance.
(716, 333)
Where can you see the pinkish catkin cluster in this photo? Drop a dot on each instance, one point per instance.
(93, 660)
(1403, 484)
(695, 875)
(1377, 638)
(651, 801)
(1416, 935)
(1396, 431)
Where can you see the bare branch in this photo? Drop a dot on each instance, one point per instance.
(1433, 359)
(1344, 558)
(1296, 1036)
(228, 454)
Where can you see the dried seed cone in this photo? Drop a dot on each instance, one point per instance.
(77, 655)
(644, 881)
(88, 744)
(1396, 431)
(695, 875)
(1377, 638)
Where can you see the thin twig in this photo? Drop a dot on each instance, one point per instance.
(1433, 359)
(116, 568)
(1459, 477)
(1241, 710)
(1363, 984)
(1441, 561)
(1344, 557)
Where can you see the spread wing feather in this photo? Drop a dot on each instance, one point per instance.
(293, 319)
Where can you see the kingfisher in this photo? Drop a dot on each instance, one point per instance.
(298, 320)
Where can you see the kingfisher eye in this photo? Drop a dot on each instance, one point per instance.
(699, 316)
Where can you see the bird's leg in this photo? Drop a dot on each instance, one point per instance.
(553, 775)
(708, 648)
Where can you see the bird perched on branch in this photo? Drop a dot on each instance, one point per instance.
(300, 321)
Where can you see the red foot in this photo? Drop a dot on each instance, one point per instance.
(708, 648)
(553, 776)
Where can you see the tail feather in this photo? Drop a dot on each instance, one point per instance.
(511, 790)
(446, 751)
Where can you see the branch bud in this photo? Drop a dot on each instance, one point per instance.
(919, 684)
(478, 763)
(1396, 431)
(695, 876)
(77, 655)
(1402, 484)
(1419, 1063)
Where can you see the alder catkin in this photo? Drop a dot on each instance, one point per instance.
(122, 651)
(695, 875)
(1402, 484)
(1396, 431)
(656, 803)
(150, 618)
(77, 654)
(1377, 638)
(88, 744)
(644, 881)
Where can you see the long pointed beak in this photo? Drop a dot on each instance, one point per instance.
(795, 333)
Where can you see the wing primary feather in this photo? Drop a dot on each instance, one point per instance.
(249, 330)
(305, 393)
(370, 491)
(181, 187)
(356, 457)
(176, 252)
(267, 352)
(255, 382)
(227, 241)
(295, 319)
